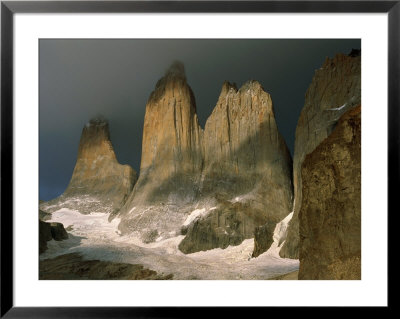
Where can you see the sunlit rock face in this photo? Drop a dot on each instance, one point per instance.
(98, 183)
(171, 160)
(242, 144)
(240, 154)
(171, 133)
(247, 170)
(335, 88)
(330, 223)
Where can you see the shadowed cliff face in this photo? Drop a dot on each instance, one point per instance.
(330, 224)
(185, 169)
(335, 88)
(99, 182)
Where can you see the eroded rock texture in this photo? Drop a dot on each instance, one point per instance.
(247, 170)
(99, 183)
(330, 214)
(335, 88)
(237, 171)
(171, 160)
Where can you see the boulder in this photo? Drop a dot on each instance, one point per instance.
(49, 231)
(58, 231)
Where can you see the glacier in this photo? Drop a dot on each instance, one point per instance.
(94, 237)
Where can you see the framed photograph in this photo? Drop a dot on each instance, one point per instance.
(158, 155)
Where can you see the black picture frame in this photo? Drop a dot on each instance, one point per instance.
(9, 8)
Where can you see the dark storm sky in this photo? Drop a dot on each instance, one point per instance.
(80, 79)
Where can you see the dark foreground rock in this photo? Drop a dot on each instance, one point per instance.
(335, 89)
(229, 224)
(290, 276)
(58, 231)
(263, 238)
(49, 231)
(330, 214)
(73, 266)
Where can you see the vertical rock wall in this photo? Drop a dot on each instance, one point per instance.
(330, 214)
(171, 160)
(335, 88)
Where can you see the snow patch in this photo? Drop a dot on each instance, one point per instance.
(237, 199)
(243, 198)
(338, 108)
(93, 223)
(197, 213)
(94, 237)
(280, 231)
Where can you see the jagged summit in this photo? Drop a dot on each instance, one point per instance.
(228, 87)
(340, 60)
(252, 85)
